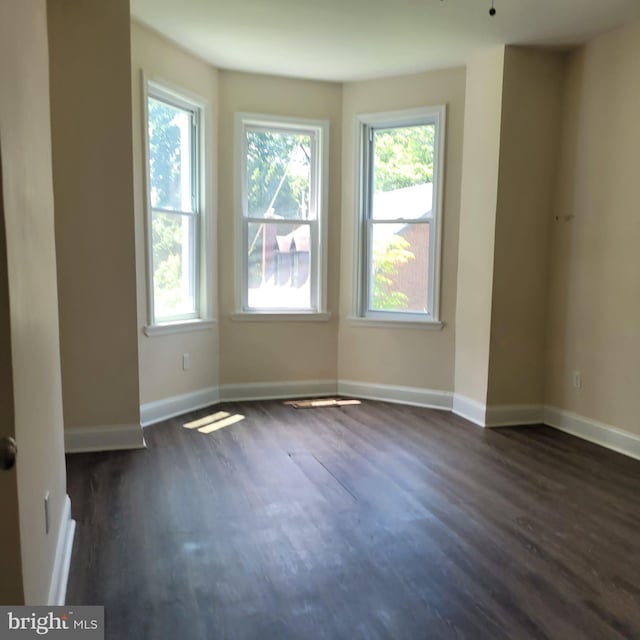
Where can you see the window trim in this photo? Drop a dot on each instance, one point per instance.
(153, 87)
(318, 310)
(364, 123)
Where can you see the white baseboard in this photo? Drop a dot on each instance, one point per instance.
(598, 432)
(159, 410)
(512, 415)
(103, 438)
(62, 562)
(469, 409)
(277, 390)
(414, 396)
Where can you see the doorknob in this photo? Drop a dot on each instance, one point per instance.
(8, 453)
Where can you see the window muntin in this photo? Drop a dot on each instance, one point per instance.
(174, 204)
(400, 215)
(282, 215)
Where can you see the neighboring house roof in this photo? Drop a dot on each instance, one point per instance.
(298, 240)
(410, 203)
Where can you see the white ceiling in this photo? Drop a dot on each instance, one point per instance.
(357, 39)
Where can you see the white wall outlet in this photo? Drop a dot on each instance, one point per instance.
(186, 361)
(577, 380)
(46, 513)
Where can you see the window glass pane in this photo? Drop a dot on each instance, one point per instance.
(403, 172)
(174, 260)
(278, 168)
(170, 156)
(399, 272)
(279, 265)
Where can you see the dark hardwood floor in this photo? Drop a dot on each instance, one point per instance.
(371, 521)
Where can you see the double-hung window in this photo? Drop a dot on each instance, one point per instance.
(174, 205)
(282, 215)
(401, 164)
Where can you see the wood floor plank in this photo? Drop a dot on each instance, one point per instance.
(374, 521)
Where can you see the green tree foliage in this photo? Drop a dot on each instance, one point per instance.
(271, 158)
(388, 255)
(403, 157)
(165, 190)
(278, 178)
(167, 230)
(165, 155)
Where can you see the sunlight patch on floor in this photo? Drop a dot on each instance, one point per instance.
(194, 424)
(316, 403)
(221, 424)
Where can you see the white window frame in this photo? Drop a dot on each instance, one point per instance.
(366, 124)
(201, 318)
(319, 130)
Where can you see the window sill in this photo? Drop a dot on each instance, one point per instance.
(378, 323)
(280, 316)
(184, 326)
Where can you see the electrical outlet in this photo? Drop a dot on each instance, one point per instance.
(186, 361)
(46, 513)
(577, 380)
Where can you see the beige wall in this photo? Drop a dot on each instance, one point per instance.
(161, 373)
(11, 587)
(531, 102)
(420, 358)
(595, 277)
(25, 142)
(93, 187)
(262, 351)
(479, 197)
(498, 205)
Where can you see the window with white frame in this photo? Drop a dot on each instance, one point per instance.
(174, 205)
(401, 164)
(282, 214)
